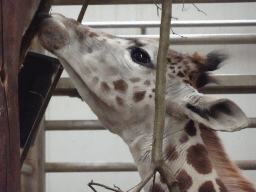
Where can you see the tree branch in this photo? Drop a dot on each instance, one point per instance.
(199, 10)
(144, 181)
(104, 186)
(157, 154)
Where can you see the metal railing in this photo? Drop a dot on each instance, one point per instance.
(102, 2)
(117, 167)
(153, 24)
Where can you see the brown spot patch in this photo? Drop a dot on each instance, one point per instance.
(178, 58)
(95, 80)
(135, 79)
(119, 101)
(120, 85)
(180, 74)
(197, 156)
(173, 71)
(184, 139)
(156, 188)
(147, 82)
(170, 75)
(139, 96)
(221, 185)
(104, 87)
(93, 34)
(207, 187)
(184, 181)
(186, 81)
(111, 71)
(190, 128)
(153, 90)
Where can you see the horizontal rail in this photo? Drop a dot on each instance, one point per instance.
(89, 167)
(117, 167)
(105, 2)
(246, 164)
(228, 84)
(198, 39)
(73, 125)
(150, 24)
(91, 125)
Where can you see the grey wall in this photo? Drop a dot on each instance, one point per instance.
(103, 146)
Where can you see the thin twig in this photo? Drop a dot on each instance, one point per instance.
(158, 8)
(145, 180)
(177, 33)
(198, 9)
(104, 186)
(183, 6)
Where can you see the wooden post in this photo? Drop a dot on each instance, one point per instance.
(12, 18)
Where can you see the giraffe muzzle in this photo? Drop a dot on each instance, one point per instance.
(52, 33)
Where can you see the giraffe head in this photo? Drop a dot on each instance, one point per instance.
(116, 77)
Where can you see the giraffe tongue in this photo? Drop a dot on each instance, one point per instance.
(218, 114)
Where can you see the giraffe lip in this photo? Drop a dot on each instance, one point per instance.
(52, 33)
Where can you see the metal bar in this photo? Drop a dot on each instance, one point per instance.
(73, 125)
(41, 155)
(91, 125)
(198, 39)
(89, 167)
(106, 2)
(228, 84)
(83, 10)
(247, 164)
(150, 24)
(117, 167)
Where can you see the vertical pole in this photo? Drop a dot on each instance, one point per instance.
(41, 157)
(12, 18)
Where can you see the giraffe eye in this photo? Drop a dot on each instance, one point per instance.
(141, 57)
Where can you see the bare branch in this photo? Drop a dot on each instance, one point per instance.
(198, 9)
(157, 154)
(145, 181)
(176, 33)
(104, 186)
(158, 7)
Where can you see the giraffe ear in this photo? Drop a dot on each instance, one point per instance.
(218, 114)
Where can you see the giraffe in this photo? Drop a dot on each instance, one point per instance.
(116, 78)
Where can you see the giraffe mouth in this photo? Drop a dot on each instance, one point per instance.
(52, 33)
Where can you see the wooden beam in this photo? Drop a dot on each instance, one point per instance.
(12, 19)
(109, 2)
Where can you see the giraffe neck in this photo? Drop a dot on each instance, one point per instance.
(185, 153)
